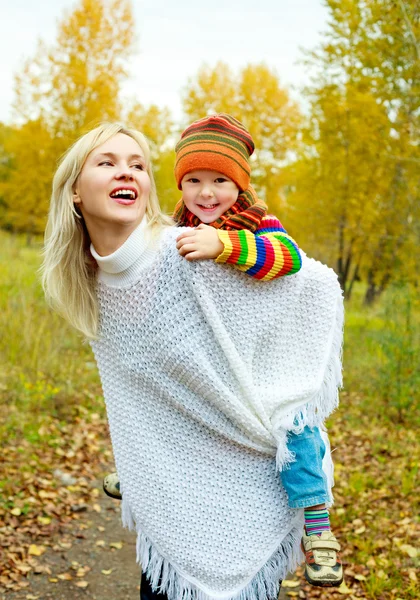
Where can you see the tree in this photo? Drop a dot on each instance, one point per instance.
(341, 173)
(255, 97)
(28, 188)
(60, 93)
(157, 125)
(5, 168)
(364, 141)
(76, 82)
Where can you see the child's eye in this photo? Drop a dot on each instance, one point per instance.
(193, 180)
(220, 180)
(139, 166)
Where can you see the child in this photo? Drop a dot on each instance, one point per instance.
(231, 225)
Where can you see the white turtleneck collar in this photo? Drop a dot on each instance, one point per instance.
(121, 267)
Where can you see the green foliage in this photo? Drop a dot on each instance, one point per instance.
(60, 93)
(387, 368)
(357, 170)
(397, 379)
(45, 369)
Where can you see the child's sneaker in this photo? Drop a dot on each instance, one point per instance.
(111, 486)
(322, 562)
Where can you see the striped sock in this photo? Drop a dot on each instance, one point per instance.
(317, 521)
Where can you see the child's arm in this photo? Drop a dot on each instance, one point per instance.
(266, 254)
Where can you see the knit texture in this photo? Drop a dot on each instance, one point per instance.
(203, 372)
(216, 143)
(266, 254)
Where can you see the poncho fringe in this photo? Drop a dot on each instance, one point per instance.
(164, 578)
(314, 413)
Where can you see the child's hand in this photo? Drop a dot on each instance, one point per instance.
(201, 242)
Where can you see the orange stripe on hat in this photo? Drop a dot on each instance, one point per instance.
(216, 143)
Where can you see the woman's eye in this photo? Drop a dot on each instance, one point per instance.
(139, 166)
(105, 163)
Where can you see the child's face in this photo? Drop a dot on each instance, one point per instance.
(208, 194)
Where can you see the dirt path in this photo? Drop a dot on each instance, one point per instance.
(96, 553)
(94, 559)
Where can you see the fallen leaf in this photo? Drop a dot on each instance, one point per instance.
(65, 576)
(292, 594)
(290, 583)
(35, 550)
(343, 589)
(24, 568)
(116, 545)
(360, 577)
(16, 512)
(44, 520)
(82, 584)
(97, 508)
(100, 543)
(410, 550)
(107, 572)
(53, 579)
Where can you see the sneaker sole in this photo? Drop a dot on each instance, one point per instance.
(318, 583)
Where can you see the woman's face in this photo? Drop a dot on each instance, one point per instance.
(112, 190)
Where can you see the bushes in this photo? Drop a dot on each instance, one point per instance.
(382, 349)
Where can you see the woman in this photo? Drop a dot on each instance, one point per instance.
(199, 400)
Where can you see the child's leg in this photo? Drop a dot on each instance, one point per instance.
(304, 479)
(306, 485)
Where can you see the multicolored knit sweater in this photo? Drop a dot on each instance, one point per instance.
(253, 241)
(265, 254)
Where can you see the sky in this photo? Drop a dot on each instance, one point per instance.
(175, 38)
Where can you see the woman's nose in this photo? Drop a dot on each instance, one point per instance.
(124, 173)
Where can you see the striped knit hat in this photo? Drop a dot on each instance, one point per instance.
(216, 143)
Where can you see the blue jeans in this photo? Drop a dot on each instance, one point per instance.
(304, 480)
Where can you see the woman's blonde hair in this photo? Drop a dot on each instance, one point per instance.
(68, 269)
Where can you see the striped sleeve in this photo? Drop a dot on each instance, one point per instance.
(267, 253)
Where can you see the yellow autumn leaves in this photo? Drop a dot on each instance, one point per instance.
(342, 176)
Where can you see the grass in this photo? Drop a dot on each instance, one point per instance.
(45, 370)
(48, 380)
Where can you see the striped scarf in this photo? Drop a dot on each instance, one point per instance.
(246, 213)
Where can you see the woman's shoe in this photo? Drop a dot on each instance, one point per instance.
(111, 486)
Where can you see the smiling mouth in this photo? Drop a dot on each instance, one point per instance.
(124, 194)
(207, 206)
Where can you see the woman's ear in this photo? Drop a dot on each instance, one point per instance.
(76, 197)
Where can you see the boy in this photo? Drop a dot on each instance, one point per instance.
(231, 225)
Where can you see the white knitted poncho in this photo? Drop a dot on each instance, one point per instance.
(203, 370)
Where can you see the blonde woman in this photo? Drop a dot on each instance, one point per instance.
(199, 399)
